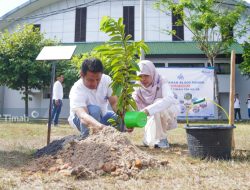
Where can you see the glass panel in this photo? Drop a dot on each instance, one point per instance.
(186, 65)
(222, 68)
(159, 64)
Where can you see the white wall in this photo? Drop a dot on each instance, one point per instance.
(14, 105)
(62, 26)
(224, 83)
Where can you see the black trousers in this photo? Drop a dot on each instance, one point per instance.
(237, 111)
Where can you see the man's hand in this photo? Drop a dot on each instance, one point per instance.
(129, 130)
(146, 112)
(88, 120)
(97, 129)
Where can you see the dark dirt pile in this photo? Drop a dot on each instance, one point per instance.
(108, 151)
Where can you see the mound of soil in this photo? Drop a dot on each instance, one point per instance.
(108, 151)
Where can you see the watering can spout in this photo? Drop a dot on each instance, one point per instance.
(199, 101)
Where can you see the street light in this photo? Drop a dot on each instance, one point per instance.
(53, 54)
(142, 57)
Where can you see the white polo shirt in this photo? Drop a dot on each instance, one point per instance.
(80, 96)
(57, 91)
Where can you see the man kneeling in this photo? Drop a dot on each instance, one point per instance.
(89, 98)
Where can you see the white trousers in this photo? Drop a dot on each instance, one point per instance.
(159, 123)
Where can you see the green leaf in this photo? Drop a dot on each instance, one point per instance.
(121, 62)
(128, 37)
(132, 104)
(120, 22)
(116, 38)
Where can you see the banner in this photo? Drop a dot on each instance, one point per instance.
(190, 85)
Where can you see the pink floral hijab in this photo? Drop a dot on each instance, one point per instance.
(145, 96)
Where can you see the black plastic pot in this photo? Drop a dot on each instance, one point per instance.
(213, 141)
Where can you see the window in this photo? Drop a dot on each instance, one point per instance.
(129, 20)
(179, 29)
(222, 68)
(37, 26)
(159, 65)
(80, 24)
(187, 65)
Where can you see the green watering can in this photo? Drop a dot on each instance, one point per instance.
(135, 119)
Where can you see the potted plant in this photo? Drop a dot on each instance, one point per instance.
(213, 141)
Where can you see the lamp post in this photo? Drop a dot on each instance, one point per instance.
(142, 57)
(54, 53)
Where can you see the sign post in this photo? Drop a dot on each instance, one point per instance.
(232, 94)
(54, 53)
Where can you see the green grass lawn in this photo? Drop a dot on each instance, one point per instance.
(18, 141)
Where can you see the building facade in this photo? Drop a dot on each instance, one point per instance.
(77, 21)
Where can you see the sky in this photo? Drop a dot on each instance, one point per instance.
(7, 5)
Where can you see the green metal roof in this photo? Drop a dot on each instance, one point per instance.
(158, 48)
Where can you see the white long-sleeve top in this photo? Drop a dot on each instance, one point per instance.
(161, 104)
(166, 101)
(57, 91)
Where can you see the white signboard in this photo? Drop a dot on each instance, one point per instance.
(56, 53)
(190, 85)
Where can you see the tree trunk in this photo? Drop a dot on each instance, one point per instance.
(26, 100)
(216, 89)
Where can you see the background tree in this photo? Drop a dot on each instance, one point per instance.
(245, 65)
(77, 60)
(70, 72)
(18, 67)
(211, 22)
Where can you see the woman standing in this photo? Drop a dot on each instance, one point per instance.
(156, 99)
